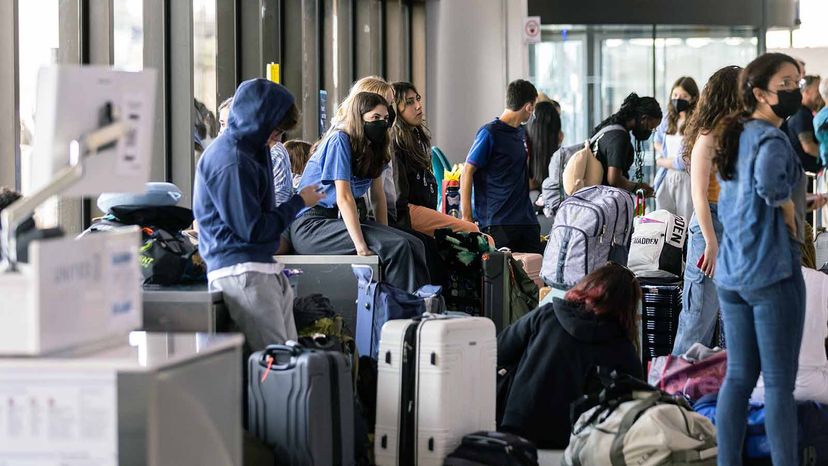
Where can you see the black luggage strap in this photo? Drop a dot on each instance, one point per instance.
(617, 448)
(407, 445)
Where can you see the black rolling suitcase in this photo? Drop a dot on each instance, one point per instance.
(496, 289)
(661, 305)
(301, 403)
(500, 275)
(493, 449)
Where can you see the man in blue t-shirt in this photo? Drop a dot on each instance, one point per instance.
(497, 167)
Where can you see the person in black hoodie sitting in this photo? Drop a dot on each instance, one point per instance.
(545, 357)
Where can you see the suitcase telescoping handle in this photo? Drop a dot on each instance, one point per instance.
(273, 351)
(640, 203)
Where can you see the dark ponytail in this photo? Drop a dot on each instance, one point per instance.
(756, 75)
(633, 107)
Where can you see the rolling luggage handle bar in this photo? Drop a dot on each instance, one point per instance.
(273, 350)
(640, 203)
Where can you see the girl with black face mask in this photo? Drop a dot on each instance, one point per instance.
(638, 116)
(758, 273)
(672, 183)
(347, 163)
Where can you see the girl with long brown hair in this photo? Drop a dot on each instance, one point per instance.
(347, 163)
(759, 277)
(416, 185)
(697, 321)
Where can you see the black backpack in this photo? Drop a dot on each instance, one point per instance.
(493, 448)
(167, 256)
(170, 259)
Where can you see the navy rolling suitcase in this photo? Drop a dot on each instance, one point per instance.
(301, 404)
(661, 305)
(377, 303)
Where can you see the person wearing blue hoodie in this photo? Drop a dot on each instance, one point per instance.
(239, 224)
(347, 163)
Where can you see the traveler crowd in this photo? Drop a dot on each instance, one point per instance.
(367, 187)
(734, 161)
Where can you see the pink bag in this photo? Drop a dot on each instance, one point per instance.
(532, 265)
(694, 379)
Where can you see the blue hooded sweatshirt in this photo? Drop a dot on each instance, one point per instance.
(233, 199)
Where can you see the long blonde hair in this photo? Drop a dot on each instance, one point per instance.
(373, 84)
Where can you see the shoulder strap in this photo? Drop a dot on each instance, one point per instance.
(593, 142)
(617, 448)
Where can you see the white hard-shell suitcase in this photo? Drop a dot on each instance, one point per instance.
(442, 371)
(821, 246)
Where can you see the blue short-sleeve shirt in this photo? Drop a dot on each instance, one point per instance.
(501, 181)
(756, 249)
(331, 162)
(282, 176)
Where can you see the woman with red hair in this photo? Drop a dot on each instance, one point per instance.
(544, 357)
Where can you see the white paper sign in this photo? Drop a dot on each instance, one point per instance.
(121, 278)
(532, 30)
(51, 416)
(133, 112)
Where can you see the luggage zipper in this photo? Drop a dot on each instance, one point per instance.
(335, 406)
(598, 214)
(408, 375)
(563, 251)
(617, 217)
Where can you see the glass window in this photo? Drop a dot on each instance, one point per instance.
(38, 45)
(689, 52)
(626, 66)
(205, 45)
(559, 70)
(128, 32)
(641, 58)
(811, 32)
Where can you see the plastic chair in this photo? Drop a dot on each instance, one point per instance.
(439, 164)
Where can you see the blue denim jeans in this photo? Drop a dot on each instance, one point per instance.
(697, 320)
(763, 328)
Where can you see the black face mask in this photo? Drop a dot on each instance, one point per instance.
(376, 132)
(680, 105)
(641, 133)
(392, 115)
(789, 103)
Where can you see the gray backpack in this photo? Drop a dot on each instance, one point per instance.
(592, 226)
(552, 187)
